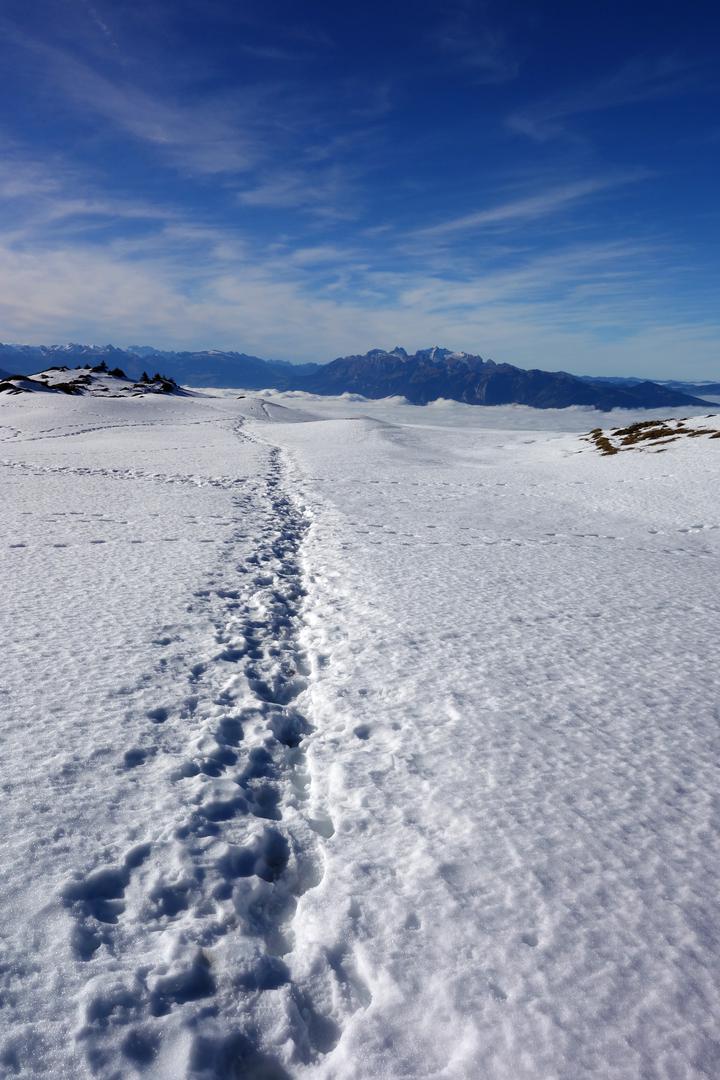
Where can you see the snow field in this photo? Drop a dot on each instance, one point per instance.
(518, 729)
(365, 746)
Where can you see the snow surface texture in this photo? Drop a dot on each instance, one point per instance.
(375, 746)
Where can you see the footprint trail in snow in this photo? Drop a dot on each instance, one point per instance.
(191, 932)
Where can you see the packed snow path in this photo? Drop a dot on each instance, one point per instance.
(354, 747)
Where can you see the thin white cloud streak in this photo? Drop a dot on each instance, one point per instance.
(244, 138)
(637, 81)
(100, 23)
(203, 137)
(531, 207)
(22, 177)
(326, 192)
(249, 133)
(210, 137)
(484, 50)
(39, 199)
(321, 254)
(532, 279)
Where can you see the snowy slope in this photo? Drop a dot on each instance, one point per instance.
(96, 381)
(376, 746)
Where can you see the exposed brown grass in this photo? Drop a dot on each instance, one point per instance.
(650, 434)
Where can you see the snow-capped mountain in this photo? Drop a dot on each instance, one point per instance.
(435, 373)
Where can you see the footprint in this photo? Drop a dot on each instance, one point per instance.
(97, 901)
(140, 1046)
(158, 715)
(230, 731)
(223, 809)
(167, 901)
(273, 855)
(137, 755)
(289, 726)
(186, 984)
(231, 654)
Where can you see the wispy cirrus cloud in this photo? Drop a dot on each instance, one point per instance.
(100, 23)
(39, 199)
(328, 191)
(320, 255)
(21, 179)
(207, 137)
(636, 81)
(531, 207)
(469, 38)
(284, 145)
(208, 132)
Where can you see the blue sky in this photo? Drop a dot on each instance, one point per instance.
(535, 182)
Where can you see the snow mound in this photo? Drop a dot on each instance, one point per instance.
(271, 412)
(97, 381)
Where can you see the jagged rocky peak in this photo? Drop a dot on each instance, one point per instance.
(374, 354)
(435, 354)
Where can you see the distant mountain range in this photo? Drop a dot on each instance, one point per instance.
(709, 387)
(231, 369)
(420, 377)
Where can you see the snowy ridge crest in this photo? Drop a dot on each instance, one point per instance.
(97, 381)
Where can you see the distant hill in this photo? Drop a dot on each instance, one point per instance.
(420, 377)
(701, 388)
(230, 369)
